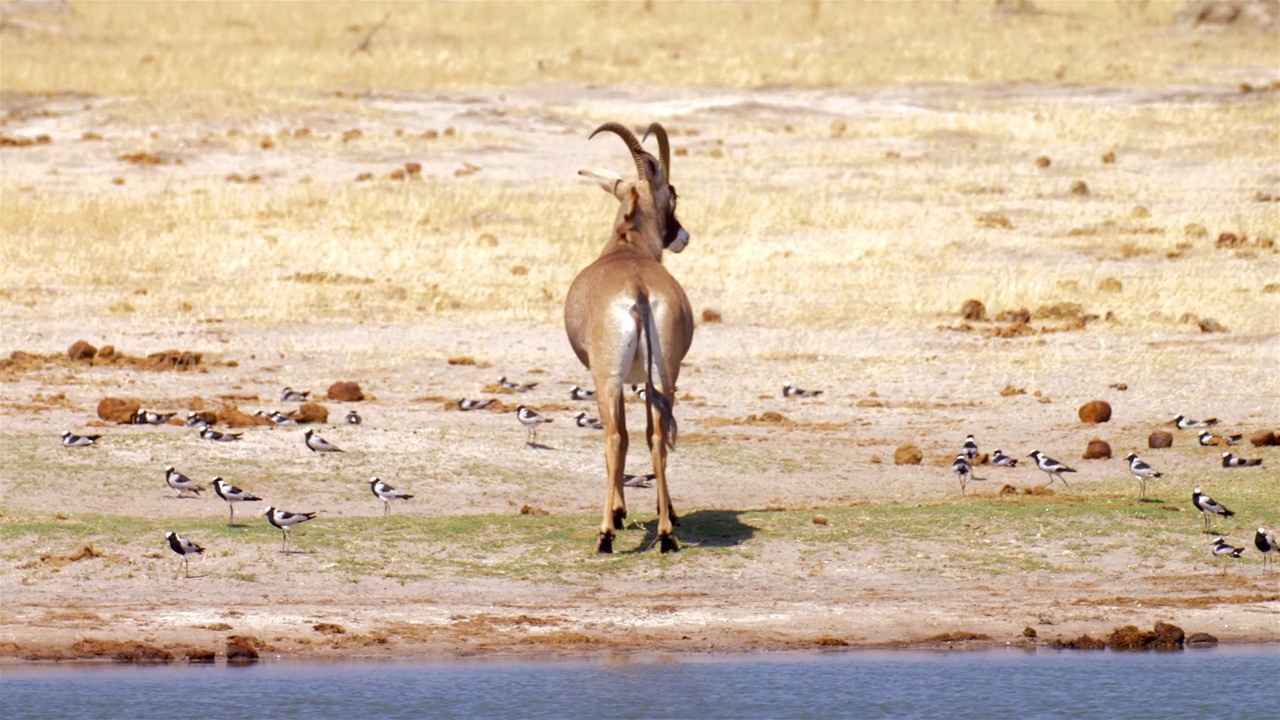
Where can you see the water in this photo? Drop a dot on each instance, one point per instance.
(1235, 682)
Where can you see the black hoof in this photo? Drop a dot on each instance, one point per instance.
(604, 545)
(618, 517)
(668, 543)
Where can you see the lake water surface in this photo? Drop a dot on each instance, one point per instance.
(1223, 682)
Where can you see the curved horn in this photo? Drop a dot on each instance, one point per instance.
(664, 148)
(630, 139)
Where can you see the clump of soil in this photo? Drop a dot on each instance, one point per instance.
(1095, 411)
(326, 628)
(1084, 642)
(1160, 439)
(907, 455)
(242, 648)
(1097, 450)
(346, 392)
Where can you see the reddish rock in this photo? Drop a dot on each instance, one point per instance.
(234, 417)
(973, 310)
(312, 413)
(106, 352)
(241, 649)
(345, 392)
(81, 350)
(1095, 411)
(907, 455)
(118, 410)
(1168, 636)
(1160, 439)
(1097, 450)
(1130, 638)
(1263, 438)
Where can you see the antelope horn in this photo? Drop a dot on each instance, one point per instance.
(630, 139)
(664, 148)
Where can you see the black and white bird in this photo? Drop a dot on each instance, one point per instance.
(1050, 467)
(530, 420)
(315, 443)
(71, 440)
(1142, 472)
(577, 393)
(466, 405)
(1266, 544)
(284, 520)
(963, 470)
(638, 481)
(208, 433)
(195, 421)
(1221, 549)
(1207, 438)
(183, 547)
(789, 391)
(515, 386)
(291, 395)
(588, 422)
(232, 495)
(185, 486)
(969, 449)
(1208, 507)
(146, 417)
(1230, 461)
(280, 418)
(353, 418)
(386, 494)
(999, 458)
(1185, 423)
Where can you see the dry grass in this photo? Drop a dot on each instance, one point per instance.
(155, 49)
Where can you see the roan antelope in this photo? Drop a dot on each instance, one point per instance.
(629, 321)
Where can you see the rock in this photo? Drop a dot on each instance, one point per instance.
(143, 653)
(118, 410)
(312, 413)
(907, 455)
(1130, 638)
(201, 655)
(345, 392)
(1097, 450)
(241, 649)
(1209, 325)
(106, 352)
(973, 310)
(172, 360)
(1110, 285)
(234, 417)
(1168, 636)
(81, 350)
(1160, 439)
(1095, 411)
(1084, 642)
(1201, 640)
(1080, 187)
(1029, 632)
(1263, 438)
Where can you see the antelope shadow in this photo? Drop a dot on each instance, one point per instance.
(700, 528)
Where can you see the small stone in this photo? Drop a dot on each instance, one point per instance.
(1263, 438)
(1080, 188)
(1029, 632)
(1097, 450)
(1168, 636)
(1201, 640)
(1159, 439)
(81, 350)
(907, 455)
(1095, 411)
(345, 392)
(973, 310)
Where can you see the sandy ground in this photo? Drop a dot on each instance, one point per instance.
(884, 386)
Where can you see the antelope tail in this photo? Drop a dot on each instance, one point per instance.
(667, 420)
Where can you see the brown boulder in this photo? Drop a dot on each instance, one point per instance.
(241, 649)
(345, 392)
(233, 416)
(1201, 640)
(1168, 636)
(1095, 411)
(1097, 450)
(312, 413)
(907, 455)
(1084, 642)
(118, 410)
(1263, 437)
(1130, 638)
(973, 310)
(1160, 439)
(81, 350)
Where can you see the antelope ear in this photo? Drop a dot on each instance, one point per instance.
(626, 216)
(608, 180)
